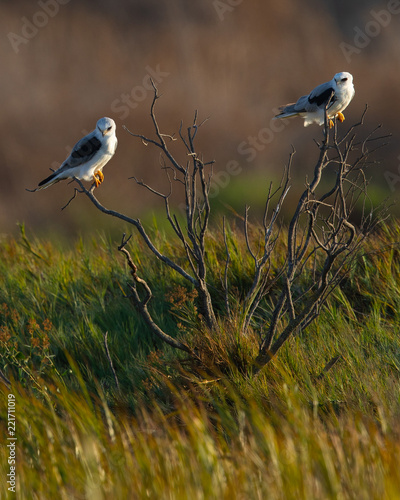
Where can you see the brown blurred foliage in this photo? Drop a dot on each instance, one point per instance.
(235, 61)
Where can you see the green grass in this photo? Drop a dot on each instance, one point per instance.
(172, 430)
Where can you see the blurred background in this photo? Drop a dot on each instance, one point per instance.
(67, 63)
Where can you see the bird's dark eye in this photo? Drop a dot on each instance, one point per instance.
(344, 79)
(109, 128)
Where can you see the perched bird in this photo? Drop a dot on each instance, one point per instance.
(88, 156)
(338, 93)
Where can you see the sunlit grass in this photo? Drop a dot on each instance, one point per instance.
(174, 429)
(72, 447)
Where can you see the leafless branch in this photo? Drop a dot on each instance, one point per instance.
(138, 225)
(141, 304)
(335, 236)
(284, 295)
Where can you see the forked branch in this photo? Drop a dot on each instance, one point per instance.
(324, 236)
(285, 293)
(141, 303)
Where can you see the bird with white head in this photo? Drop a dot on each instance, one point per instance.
(88, 156)
(334, 95)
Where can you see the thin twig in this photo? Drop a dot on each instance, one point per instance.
(76, 191)
(328, 367)
(333, 234)
(141, 304)
(138, 225)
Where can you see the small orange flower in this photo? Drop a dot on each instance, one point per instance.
(47, 325)
(35, 342)
(14, 316)
(32, 326)
(45, 342)
(4, 309)
(5, 334)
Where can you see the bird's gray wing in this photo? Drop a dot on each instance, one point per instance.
(321, 95)
(301, 105)
(82, 152)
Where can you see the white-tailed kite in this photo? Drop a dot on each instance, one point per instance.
(88, 156)
(339, 90)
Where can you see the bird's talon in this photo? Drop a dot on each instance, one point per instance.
(331, 123)
(340, 117)
(98, 178)
(97, 181)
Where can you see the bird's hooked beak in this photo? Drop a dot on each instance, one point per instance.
(106, 131)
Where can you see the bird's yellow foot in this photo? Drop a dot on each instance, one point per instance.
(331, 123)
(98, 178)
(340, 116)
(97, 181)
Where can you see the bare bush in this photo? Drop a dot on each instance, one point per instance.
(327, 230)
(324, 235)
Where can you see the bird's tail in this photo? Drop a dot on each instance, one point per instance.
(45, 183)
(287, 111)
(49, 181)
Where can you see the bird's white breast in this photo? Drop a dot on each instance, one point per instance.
(103, 156)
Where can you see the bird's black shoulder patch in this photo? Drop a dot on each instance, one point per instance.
(86, 149)
(323, 98)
